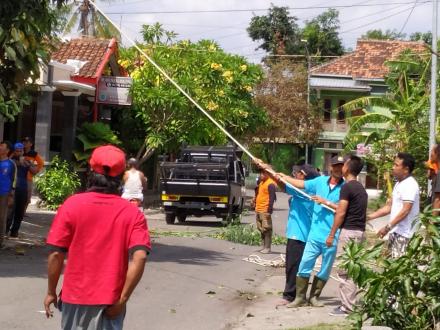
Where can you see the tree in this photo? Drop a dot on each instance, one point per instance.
(280, 33)
(221, 83)
(91, 22)
(25, 39)
(321, 34)
(402, 122)
(383, 35)
(283, 94)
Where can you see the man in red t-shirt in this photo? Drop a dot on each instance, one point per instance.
(100, 231)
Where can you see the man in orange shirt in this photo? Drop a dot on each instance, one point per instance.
(265, 196)
(31, 155)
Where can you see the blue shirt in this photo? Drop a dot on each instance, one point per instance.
(322, 220)
(7, 176)
(300, 215)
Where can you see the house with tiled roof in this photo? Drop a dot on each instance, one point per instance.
(359, 73)
(72, 90)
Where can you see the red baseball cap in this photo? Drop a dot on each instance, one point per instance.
(108, 160)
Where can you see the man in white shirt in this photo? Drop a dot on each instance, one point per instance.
(403, 208)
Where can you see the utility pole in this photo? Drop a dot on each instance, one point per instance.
(305, 41)
(433, 109)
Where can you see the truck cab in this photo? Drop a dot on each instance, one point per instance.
(203, 181)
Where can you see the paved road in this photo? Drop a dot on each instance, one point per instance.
(189, 283)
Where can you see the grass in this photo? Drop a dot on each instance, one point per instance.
(245, 234)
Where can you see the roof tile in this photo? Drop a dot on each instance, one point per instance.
(91, 50)
(368, 60)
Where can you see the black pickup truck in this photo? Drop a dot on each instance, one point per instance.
(204, 180)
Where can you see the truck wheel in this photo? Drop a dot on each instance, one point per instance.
(181, 218)
(170, 218)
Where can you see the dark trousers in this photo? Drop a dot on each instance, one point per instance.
(17, 214)
(294, 252)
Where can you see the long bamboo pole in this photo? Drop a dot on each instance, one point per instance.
(220, 127)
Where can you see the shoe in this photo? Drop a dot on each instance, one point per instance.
(302, 283)
(338, 311)
(315, 292)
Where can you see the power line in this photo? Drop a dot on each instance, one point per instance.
(378, 20)
(260, 9)
(409, 15)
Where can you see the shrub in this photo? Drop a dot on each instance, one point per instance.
(56, 183)
(401, 293)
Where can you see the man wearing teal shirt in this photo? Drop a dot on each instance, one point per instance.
(325, 190)
(297, 230)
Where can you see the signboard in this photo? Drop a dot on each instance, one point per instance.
(114, 90)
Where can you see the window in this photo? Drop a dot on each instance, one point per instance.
(327, 109)
(341, 112)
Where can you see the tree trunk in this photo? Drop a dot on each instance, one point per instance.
(147, 154)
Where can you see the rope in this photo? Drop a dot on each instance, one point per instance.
(280, 262)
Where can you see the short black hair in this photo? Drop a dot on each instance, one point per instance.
(8, 144)
(407, 160)
(355, 165)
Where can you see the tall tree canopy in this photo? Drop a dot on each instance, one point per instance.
(281, 34)
(25, 38)
(321, 34)
(221, 83)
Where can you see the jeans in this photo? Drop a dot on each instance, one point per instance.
(17, 214)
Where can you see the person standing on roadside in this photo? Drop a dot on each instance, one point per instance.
(107, 240)
(298, 227)
(403, 207)
(265, 196)
(21, 190)
(33, 157)
(351, 217)
(7, 182)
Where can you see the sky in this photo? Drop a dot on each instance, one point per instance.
(227, 22)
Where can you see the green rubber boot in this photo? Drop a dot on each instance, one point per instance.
(302, 283)
(315, 292)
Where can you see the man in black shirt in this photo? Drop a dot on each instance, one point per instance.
(351, 217)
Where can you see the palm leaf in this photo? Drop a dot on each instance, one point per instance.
(368, 101)
(357, 123)
(73, 20)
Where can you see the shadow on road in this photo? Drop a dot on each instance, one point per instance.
(186, 255)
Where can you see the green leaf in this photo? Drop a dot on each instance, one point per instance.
(10, 53)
